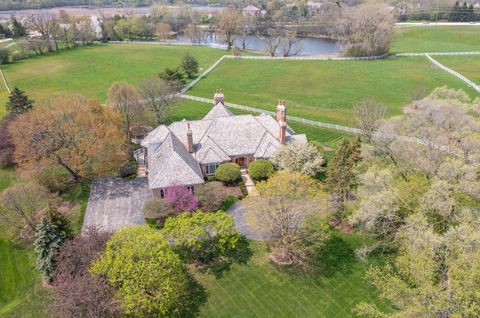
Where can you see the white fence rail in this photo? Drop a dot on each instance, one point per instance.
(456, 74)
(308, 58)
(5, 82)
(208, 70)
(290, 118)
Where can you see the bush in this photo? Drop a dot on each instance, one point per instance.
(55, 179)
(211, 195)
(228, 202)
(156, 210)
(228, 173)
(260, 169)
(129, 169)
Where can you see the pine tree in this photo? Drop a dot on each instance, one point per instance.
(189, 65)
(454, 14)
(18, 30)
(18, 102)
(60, 222)
(48, 241)
(340, 171)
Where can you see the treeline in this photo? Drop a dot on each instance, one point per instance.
(45, 4)
(458, 13)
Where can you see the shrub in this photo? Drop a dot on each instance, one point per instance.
(228, 202)
(211, 195)
(128, 170)
(228, 173)
(181, 198)
(55, 179)
(260, 169)
(157, 210)
(4, 56)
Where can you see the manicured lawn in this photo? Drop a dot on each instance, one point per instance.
(260, 289)
(437, 39)
(324, 90)
(468, 65)
(92, 70)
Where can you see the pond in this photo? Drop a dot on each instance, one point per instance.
(307, 45)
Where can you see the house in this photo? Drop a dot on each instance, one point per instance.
(187, 152)
(251, 11)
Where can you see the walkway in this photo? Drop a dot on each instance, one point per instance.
(237, 211)
(248, 183)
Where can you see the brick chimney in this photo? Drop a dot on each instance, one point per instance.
(219, 97)
(281, 111)
(282, 132)
(189, 139)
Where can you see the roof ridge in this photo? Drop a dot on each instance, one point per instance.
(165, 161)
(260, 142)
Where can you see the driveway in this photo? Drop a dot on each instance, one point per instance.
(237, 211)
(115, 203)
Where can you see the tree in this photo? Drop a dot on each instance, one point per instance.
(18, 30)
(7, 148)
(157, 209)
(366, 29)
(181, 198)
(298, 157)
(229, 173)
(85, 32)
(77, 293)
(47, 242)
(159, 95)
(189, 65)
(202, 238)
(20, 205)
(291, 44)
(162, 31)
(4, 56)
(260, 169)
(75, 132)
(369, 114)
(125, 99)
(147, 274)
(44, 23)
(433, 275)
(194, 33)
(18, 102)
(277, 214)
(340, 172)
(60, 222)
(173, 75)
(211, 195)
(228, 24)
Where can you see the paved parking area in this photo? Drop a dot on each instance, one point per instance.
(115, 202)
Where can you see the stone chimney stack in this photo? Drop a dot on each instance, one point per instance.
(283, 132)
(281, 111)
(189, 139)
(219, 97)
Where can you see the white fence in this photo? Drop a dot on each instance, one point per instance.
(5, 81)
(290, 118)
(208, 70)
(308, 58)
(458, 75)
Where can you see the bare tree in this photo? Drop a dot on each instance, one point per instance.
(158, 95)
(244, 30)
(291, 44)
(85, 32)
(45, 24)
(366, 29)
(228, 25)
(194, 33)
(126, 100)
(369, 115)
(162, 31)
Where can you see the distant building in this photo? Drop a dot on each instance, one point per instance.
(251, 11)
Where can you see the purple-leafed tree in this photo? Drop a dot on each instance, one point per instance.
(181, 198)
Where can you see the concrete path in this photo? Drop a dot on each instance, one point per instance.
(248, 183)
(115, 202)
(237, 211)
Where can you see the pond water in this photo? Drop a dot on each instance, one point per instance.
(307, 45)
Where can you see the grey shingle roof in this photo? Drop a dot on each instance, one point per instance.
(218, 111)
(172, 163)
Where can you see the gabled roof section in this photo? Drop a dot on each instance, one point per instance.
(267, 147)
(173, 163)
(218, 111)
(209, 152)
(198, 127)
(270, 124)
(156, 136)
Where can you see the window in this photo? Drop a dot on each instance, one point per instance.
(211, 168)
(162, 194)
(191, 189)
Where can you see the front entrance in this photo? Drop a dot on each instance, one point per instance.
(240, 161)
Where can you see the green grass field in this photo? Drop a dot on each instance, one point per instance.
(437, 39)
(324, 90)
(91, 70)
(467, 65)
(260, 289)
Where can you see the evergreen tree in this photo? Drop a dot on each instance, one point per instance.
(464, 12)
(18, 30)
(471, 13)
(60, 222)
(18, 102)
(340, 171)
(189, 65)
(48, 241)
(454, 14)
(172, 75)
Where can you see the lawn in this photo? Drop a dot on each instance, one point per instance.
(324, 90)
(260, 289)
(437, 39)
(92, 70)
(467, 65)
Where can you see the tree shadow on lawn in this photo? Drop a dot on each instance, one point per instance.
(240, 255)
(194, 299)
(337, 256)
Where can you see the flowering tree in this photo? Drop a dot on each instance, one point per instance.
(181, 198)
